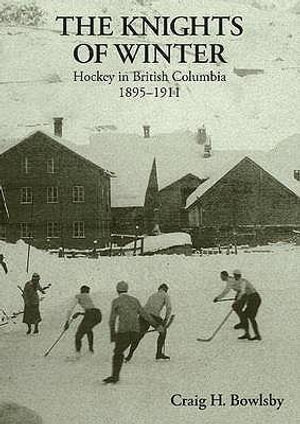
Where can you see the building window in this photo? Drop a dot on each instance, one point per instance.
(52, 194)
(52, 229)
(25, 230)
(297, 174)
(2, 231)
(26, 195)
(25, 165)
(50, 166)
(78, 194)
(78, 229)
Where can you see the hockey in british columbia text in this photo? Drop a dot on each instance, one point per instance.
(139, 79)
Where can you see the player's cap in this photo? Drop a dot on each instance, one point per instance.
(237, 272)
(84, 289)
(163, 287)
(122, 287)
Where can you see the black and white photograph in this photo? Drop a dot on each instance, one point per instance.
(149, 211)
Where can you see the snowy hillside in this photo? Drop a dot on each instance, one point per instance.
(268, 4)
(296, 8)
(247, 112)
(66, 392)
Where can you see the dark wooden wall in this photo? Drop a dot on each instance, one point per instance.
(71, 169)
(246, 197)
(172, 213)
(126, 219)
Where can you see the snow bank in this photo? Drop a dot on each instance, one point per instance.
(154, 244)
(164, 241)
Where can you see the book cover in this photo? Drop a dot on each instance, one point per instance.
(149, 211)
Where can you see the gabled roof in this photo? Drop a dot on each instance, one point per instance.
(283, 176)
(63, 144)
(214, 177)
(131, 156)
(181, 179)
(131, 163)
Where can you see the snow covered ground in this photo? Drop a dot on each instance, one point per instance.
(72, 392)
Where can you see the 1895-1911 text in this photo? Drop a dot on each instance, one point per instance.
(140, 92)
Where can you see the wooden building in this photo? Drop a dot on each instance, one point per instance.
(134, 188)
(53, 195)
(154, 175)
(247, 202)
(172, 213)
(141, 216)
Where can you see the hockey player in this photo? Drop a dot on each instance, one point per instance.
(246, 296)
(3, 264)
(91, 317)
(127, 309)
(252, 301)
(237, 306)
(156, 302)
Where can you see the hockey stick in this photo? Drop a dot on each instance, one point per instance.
(43, 288)
(21, 290)
(55, 343)
(171, 319)
(74, 316)
(217, 329)
(9, 317)
(58, 339)
(6, 316)
(229, 299)
(15, 314)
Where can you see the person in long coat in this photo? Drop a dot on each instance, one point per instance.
(31, 298)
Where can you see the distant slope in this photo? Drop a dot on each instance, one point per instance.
(253, 112)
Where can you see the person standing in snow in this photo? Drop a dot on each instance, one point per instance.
(3, 264)
(247, 297)
(31, 303)
(156, 302)
(237, 306)
(252, 301)
(91, 317)
(127, 309)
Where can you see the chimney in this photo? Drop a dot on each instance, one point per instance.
(202, 137)
(207, 148)
(146, 131)
(58, 126)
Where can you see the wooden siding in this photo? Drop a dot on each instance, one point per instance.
(70, 170)
(172, 214)
(126, 219)
(246, 197)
